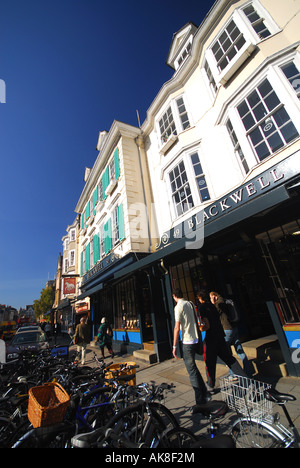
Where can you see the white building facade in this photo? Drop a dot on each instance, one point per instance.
(217, 160)
(222, 143)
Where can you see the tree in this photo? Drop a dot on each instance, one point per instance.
(44, 304)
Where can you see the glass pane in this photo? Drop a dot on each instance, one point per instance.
(240, 43)
(272, 101)
(262, 151)
(256, 136)
(253, 99)
(248, 121)
(265, 88)
(243, 108)
(260, 111)
(289, 132)
(290, 70)
(281, 117)
(275, 142)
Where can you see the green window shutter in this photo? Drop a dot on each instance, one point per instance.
(121, 222)
(117, 163)
(107, 237)
(95, 199)
(105, 182)
(81, 264)
(87, 211)
(96, 248)
(87, 258)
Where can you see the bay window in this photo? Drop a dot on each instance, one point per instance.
(267, 123)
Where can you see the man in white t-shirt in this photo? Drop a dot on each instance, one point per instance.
(185, 321)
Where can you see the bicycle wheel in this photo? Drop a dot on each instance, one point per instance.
(98, 408)
(256, 434)
(7, 429)
(168, 419)
(136, 424)
(178, 437)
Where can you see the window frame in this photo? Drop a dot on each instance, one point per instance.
(175, 205)
(177, 126)
(185, 157)
(252, 39)
(71, 258)
(295, 59)
(288, 100)
(115, 231)
(72, 234)
(271, 121)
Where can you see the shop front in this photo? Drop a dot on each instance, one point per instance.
(251, 254)
(124, 303)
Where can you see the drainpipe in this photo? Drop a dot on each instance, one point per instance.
(140, 144)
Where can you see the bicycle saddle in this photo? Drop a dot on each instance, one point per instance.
(212, 409)
(221, 441)
(87, 439)
(277, 397)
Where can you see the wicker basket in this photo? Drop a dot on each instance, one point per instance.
(121, 373)
(47, 404)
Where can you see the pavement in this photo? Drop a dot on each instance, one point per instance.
(181, 399)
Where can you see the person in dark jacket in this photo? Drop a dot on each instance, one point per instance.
(214, 344)
(82, 338)
(105, 337)
(231, 331)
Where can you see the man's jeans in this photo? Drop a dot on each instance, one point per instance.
(232, 339)
(194, 373)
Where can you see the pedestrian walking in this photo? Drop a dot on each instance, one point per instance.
(82, 338)
(214, 344)
(231, 331)
(185, 322)
(104, 337)
(56, 331)
(48, 330)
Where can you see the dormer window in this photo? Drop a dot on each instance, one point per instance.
(183, 55)
(181, 46)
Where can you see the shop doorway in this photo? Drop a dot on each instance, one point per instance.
(280, 249)
(237, 272)
(245, 283)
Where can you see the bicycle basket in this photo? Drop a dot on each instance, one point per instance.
(47, 404)
(246, 396)
(122, 372)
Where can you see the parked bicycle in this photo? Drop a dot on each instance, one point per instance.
(184, 438)
(256, 425)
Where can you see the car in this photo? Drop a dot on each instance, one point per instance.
(34, 340)
(29, 328)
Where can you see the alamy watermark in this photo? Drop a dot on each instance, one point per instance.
(2, 92)
(142, 225)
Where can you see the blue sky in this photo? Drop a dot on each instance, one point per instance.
(70, 68)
